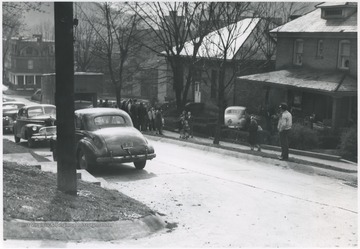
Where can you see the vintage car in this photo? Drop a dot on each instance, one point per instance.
(35, 123)
(107, 135)
(236, 117)
(10, 110)
(37, 96)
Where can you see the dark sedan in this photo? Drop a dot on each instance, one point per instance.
(107, 135)
(10, 110)
(35, 123)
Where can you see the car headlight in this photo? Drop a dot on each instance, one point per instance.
(34, 128)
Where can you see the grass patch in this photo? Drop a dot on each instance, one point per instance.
(31, 194)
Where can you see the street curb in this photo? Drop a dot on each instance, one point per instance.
(83, 231)
(244, 154)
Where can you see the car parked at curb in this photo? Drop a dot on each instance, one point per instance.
(37, 96)
(236, 117)
(35, 123)
(107, 135)
(10, 110)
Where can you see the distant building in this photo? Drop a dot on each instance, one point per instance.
(27, 60)
(316, 67)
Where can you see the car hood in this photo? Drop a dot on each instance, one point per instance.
(118, 137)
(10, 112)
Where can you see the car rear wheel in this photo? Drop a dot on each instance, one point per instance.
(83, 161)
(17, 139)
(140, 165)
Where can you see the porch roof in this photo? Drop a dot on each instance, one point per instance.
(324, 81)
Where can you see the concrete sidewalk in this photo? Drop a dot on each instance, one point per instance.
(315, 159)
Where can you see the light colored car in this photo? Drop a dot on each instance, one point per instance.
(236, 117)
(106, 135)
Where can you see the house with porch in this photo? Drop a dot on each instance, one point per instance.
(27, 60)
(316, 68)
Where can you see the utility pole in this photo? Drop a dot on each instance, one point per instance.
(64, 97)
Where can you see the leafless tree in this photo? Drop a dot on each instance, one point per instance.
(170, 23)
(114, 27)
(13, 21)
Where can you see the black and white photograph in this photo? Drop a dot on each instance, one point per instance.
(172, 124)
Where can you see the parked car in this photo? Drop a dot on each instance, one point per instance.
(82, 104)
(37, 95)
(236, 117)
(7, 99)
(107, 135)
(35, 123)
(10, 110)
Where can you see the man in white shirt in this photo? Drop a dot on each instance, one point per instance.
(284, 126)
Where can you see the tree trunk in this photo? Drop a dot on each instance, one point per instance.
(221, 105)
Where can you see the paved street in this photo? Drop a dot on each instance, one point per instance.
(222, 201)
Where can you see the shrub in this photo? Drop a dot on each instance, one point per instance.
(303, 137)
(348, 145)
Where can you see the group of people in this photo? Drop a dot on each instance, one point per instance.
(186, 125)
(144, 118)
(284, 126)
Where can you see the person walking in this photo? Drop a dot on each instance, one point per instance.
(253, 134)
(151, 115)
(284, 127)
(190, 120)
(159, 122)
(142, 117)
(182, 118)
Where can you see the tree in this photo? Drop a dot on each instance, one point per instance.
(115, 30)
(13, 23)
(221, 46)
(170, 24)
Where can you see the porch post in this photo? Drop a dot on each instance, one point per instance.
(336, 113)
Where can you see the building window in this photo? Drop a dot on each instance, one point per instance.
(298, 52)
(20, 80)
(344, 54)
(214, 76)
(332, 13)
(30, 64)
(320, 49)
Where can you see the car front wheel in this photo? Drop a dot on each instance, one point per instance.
(31, 143)
(140, 165)
(83, 161)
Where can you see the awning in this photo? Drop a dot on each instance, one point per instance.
(323, 81)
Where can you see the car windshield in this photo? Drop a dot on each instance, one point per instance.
(50, 110)
(37, 111)
(109, 121)
(235, 111)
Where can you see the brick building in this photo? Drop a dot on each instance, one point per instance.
(316, 67)
(27, 60)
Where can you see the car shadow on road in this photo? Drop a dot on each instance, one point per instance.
(123, 172)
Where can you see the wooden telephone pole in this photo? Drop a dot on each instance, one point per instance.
(64, 97)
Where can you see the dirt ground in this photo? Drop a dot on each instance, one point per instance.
(31, 194)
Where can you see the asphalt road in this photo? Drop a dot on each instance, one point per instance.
(214, 200)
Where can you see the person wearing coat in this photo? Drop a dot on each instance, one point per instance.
(253, 134)
(159, 122)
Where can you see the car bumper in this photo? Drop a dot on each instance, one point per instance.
(126, 159)
(42, 137)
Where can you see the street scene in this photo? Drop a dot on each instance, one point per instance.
(209, 125)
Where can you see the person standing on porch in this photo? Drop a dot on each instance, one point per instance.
(284, 127)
